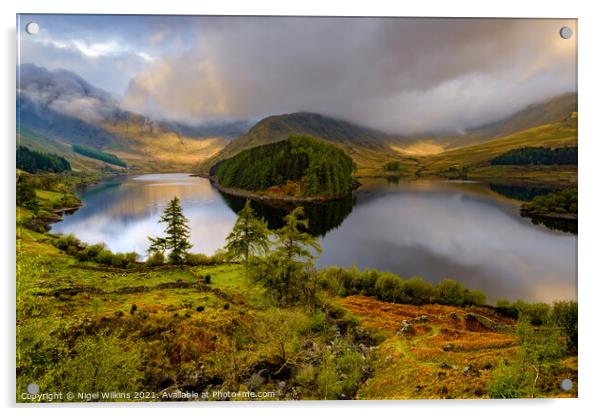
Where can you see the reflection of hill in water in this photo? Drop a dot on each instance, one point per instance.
(521, 193)
(129, 200)
(323, 216)
(564, 225)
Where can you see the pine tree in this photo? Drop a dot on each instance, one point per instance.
(177, 233)
(249, 236)
(293, 249)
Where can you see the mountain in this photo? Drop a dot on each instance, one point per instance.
(370, 148)
(549, 111)
(359, 142)
(64, 109)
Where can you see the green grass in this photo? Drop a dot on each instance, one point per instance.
(475, 159)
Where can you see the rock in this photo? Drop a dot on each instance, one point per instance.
(470, 371)
(406, 328)
(257, 379)
(421, 319)
(191, 378)
(447, 347)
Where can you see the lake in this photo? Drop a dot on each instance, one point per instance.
(468, 231)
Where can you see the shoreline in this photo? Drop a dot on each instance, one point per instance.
(265, 197)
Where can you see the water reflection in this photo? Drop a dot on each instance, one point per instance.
(323, 216)
(123, 212)
(521, 193)
(464, 230)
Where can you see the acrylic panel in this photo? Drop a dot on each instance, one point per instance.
(295, 208)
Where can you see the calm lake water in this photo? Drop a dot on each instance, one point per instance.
(467, 231)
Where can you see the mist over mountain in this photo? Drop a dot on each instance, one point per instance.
(63, 106)
(63, 103)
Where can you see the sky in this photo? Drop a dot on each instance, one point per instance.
(399, 75)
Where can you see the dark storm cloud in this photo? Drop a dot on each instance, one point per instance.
(400, 75)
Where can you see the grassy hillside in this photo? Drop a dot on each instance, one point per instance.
(475, 161)
(150, 146)
(41, 143)
(553, 110)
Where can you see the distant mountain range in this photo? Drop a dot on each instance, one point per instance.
(65, 109)
(357, 139)
(62, 107)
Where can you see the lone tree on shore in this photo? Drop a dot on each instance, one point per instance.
(177, 234)
(249, 236)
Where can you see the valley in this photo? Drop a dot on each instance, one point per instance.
(299, 255)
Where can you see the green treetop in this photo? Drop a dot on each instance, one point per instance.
(177, 234)
(283, 272)
(249, 236)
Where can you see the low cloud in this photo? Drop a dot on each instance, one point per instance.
(400, 75)
(65, 92)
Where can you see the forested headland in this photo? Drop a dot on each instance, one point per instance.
(299, 166)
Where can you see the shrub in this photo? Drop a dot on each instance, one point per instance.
(565, 315)
(198, 259)
(207, 279)
(305, 375)
(349, 365)
(68, 242)
(105, 257)
(155, 259)
(318, 321)
(509, 381)
(100, 363)
(133, 309)
(220, 256)
(540, 350)
(417, 291)
(366, 282)
(131, 257)
(389, 287)
(327, 378)
(119, 260)
(537, 313)
(200, 308)
(91, 252)
(449, 292)
(474, 297)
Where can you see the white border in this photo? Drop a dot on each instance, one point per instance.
(590, 149)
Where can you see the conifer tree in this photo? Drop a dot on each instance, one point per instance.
(177, 234)
(249, 236)
(284, 269)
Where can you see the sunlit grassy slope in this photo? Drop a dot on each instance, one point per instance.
(41, 143)
(475, 161)
(158, 150)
